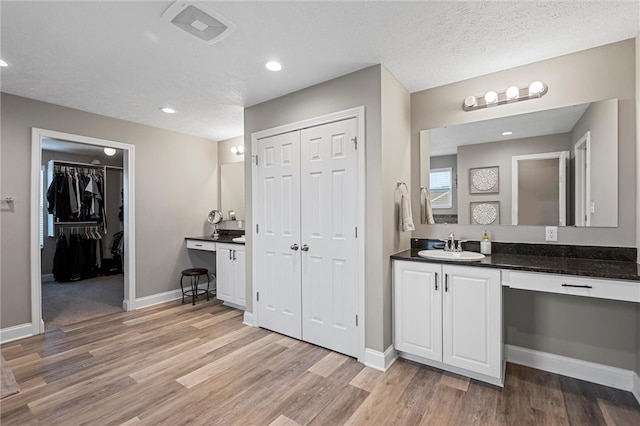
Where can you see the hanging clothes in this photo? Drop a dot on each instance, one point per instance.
(78, 257)
(61, 259)
(76, 195)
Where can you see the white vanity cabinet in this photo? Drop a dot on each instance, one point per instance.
(230, 279)
(450, 316)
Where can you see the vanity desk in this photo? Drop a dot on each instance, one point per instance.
(449, 313)
(230, 264)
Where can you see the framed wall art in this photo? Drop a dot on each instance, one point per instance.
(484, 180)
(485, 212)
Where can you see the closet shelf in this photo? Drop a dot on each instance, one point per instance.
(82, 223)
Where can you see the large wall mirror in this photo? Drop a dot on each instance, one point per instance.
(232, 189)
(554, 167)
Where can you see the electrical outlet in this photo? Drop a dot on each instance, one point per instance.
(551, 233)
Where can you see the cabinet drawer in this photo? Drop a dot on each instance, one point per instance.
(201, 245)
(577, 286)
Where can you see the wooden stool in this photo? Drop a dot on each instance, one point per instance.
(194, 274)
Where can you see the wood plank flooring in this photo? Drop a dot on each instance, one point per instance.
(177, 364)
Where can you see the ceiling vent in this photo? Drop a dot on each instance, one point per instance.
(206, 25)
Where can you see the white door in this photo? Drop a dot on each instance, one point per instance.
(329, 249)
(224, 274)
(472, 318)
(239, 275)
(278, 236)
(417, 306)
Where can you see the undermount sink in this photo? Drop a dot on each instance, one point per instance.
(238, 239)
(451, 255)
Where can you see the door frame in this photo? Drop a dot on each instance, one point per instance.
(582, 153)
(359, 114)
(563, 158)
(128, 170)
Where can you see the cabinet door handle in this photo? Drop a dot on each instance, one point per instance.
(436, 281)
(294, 247)
(230, 255)
(576, 286)
(446, 282)
(304, 247)
(234, 255)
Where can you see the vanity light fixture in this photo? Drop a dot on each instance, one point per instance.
(168, 110)
(507, 133)
(238, 150)
(537, 89)
(110, 151)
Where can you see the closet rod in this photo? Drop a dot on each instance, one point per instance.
(73, 163)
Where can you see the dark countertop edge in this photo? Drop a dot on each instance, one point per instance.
(528, 263)
(225, 239)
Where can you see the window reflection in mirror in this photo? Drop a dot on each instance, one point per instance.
(583, 138)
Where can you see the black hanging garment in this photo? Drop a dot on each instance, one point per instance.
(61, 260)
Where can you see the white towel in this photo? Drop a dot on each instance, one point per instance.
(425, 202)
(406, 219)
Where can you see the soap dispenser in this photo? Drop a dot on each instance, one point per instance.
(485, 244)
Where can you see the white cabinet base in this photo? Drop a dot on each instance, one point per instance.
(453, 369)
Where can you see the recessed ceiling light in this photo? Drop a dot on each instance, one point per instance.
(507, 133)
(168, 110)
(273, 66)
(3, 63)
(110, 151)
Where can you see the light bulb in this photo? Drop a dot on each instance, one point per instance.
(491, 97)
(512, 92)
(536, 88)
(110, 151)
(470, 101)
(234, 150)
(3, 63)
(168, 110)
(240, 149)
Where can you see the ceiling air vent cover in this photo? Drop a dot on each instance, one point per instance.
(209, 26)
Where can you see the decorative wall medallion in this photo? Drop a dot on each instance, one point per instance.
(485, 213)
(484, 180)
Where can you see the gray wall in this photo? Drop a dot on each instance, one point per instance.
(600, 119)
(638, 185)
(499, 154)
(365, 87)
(176, 181)
(608, 72)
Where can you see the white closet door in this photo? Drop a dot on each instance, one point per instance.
(278, 216)
(329, 218)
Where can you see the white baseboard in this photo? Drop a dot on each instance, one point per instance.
(636, 387)
(578, 369)
(249, 319)
(155, 299)
(47, 278)
(16, 332)
(378, 360)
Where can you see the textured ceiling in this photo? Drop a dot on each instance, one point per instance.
(121, 59)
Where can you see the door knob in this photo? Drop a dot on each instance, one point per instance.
(294, 247)
(304, 247)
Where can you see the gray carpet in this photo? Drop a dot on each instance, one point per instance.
(69, 303)
(8, 385)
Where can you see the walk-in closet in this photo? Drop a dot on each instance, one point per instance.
(81, 232)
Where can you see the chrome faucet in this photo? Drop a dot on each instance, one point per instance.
(451, 244)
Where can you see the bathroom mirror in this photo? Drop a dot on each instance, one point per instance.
(232, 189)
(565, 162)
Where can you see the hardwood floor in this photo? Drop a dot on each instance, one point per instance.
(179, 364)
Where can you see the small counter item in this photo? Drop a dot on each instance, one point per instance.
(485, 244)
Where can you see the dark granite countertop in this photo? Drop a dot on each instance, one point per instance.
(223, 238)
(612, 269)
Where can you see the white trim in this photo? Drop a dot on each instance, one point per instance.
(584, 370)
(359, 114)
(45, 278)
(636, 387)
(158, 298)
(249, 319)
(16, 332)
(129, 217)
(378, 360)
(582, 155)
